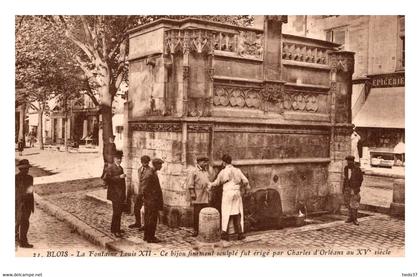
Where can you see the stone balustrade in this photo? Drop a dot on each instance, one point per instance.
(307, 50)
(304, 53)
(242, 43)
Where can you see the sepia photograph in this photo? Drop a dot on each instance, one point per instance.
(209, 139)
(191, 136)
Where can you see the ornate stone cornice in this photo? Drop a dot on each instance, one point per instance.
(156, 127)
(341, 61)
(199, 128)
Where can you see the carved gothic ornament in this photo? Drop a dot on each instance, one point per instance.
(300, 101)
(341, 61)
(186, 72)
(237, 97)
(156, 127)
(243, 43)
(199, 128)
(250, 44)
(211, 74)
(304, 53)
(188, 40)
(333, 86)
(273, 93)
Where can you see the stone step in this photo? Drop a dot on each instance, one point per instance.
(99, 195)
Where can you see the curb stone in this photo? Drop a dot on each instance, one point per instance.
(86, 231)
(125, 245)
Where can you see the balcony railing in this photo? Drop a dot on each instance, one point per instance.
(302, 49)
(241, 43)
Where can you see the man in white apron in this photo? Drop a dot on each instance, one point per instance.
(231, 178)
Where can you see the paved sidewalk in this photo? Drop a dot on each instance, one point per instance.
(65, 165)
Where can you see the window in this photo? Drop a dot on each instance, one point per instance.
(338, 35)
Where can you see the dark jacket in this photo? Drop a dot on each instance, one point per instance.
(152, 192)
(356, 179)
(143, 173)
(116, 185)
(24, 200)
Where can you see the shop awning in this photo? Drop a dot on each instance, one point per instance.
(384, 108)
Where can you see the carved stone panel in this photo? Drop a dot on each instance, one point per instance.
(242, 43)
(304, 53)
(271, 145)
(238, 97)
(341, 61)
(295, 100)
(273, 95)
(155, 127)
(198, 107)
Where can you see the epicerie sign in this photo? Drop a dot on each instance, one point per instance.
(388, 80)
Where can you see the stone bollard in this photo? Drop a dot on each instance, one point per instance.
(209, 225)
(397, 207)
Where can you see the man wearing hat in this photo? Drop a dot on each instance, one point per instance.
(115, 178)
(153, 202)
(198, 184)
(353, 178)
(143, 172)
(24, 202)
(232, 179)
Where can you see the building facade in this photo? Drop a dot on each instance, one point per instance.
(279, 104)
(378, 79)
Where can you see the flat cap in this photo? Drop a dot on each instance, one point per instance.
(202, 159)
(157, 161)
(350, 158)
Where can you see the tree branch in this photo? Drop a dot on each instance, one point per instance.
(83, 66)
(81, 45)
(88, 33)
(114, 51)
(90, 93)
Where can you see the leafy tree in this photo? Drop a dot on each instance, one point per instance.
(102, 53)
(99, 49)
(43, 67)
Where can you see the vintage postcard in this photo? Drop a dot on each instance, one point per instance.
(210, 136)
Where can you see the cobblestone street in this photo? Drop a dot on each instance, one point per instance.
(376, 232)
(47, 233)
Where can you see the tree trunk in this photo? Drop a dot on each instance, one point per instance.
(22, 110)
(106, 112)
(40, 128)
(66, 146)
